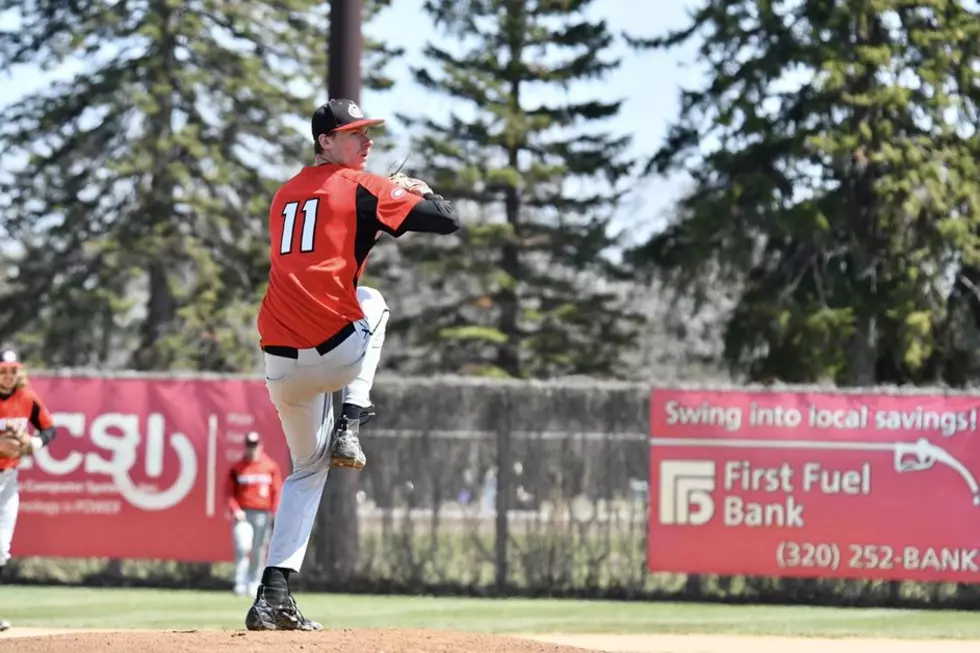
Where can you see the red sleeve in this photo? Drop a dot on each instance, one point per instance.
(40, 417)
(230, 490)
(379, 198)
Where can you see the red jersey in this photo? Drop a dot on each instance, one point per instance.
(23, 408)
(322, 224)
(254, 484)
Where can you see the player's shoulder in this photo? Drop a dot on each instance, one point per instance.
(333, 180)
(27, 393)
(370, 180)
(241, 465)
(297, 184)
(312, 179)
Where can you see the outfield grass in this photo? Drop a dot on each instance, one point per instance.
(183, 609)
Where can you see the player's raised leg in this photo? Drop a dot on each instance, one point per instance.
(347, 450)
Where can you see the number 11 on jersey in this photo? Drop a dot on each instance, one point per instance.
(289, 225)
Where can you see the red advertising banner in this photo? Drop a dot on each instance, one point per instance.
(815, 485)
(139, 467)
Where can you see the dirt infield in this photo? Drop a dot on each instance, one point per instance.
(27, 640)
(347, 641)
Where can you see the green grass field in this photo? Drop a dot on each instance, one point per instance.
(186, 609)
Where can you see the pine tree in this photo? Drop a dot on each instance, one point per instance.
(530, 290)
(142, 184)
(833, 151)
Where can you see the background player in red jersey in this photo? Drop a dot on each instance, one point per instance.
(20, 408)
(319, 331)
(254, 484)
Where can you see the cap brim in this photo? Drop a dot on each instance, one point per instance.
(357, 124)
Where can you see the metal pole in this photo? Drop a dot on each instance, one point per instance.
(337, 550)
(345, 49)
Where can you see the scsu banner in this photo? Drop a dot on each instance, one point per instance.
(139, 467)
(810, 485)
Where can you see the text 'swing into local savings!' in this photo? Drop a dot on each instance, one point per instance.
(815, 485)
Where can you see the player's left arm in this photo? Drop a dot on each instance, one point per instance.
(395, 210)
(42, 421)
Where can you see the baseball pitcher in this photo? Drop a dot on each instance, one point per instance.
(254, 484)
(320, 332)
(20, 408)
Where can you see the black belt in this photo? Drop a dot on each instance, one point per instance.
(325, 346)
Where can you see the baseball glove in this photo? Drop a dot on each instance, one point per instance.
(410, 184)
(14, 442)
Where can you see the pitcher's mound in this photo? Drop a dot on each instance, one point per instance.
(346, 641)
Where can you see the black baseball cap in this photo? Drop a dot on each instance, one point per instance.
(340, 115)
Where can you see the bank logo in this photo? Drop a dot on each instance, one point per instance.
(685, 492)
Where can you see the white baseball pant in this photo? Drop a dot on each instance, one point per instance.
(302, 391)
(9, 506)
(250, 554)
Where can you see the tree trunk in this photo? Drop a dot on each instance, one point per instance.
(508, 354)
(161, 306)
(868, 31)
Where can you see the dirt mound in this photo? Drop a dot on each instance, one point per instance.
(346, 641)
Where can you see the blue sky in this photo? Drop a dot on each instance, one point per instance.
(648, 82)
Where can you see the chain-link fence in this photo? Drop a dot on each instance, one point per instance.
(495, 487)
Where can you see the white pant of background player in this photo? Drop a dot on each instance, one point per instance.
(9, 505)
(302, 391)
(251, 537)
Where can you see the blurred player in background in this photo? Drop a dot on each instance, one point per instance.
(20, 408)
(254, 487)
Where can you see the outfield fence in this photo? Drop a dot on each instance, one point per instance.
(499, 488)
